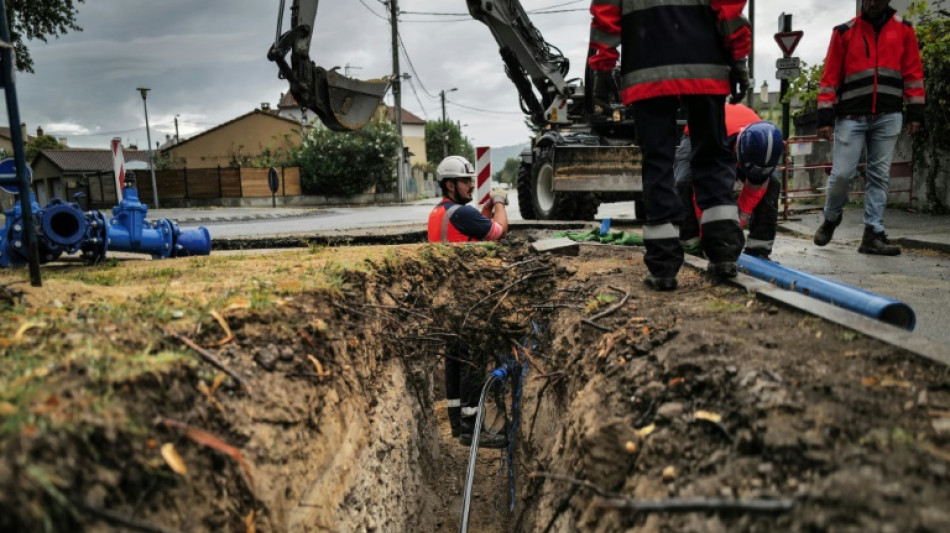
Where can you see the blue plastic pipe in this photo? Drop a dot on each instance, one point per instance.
(866, 303)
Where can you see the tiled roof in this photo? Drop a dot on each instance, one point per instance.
(88, 160)
(287, 100)
(407, 117)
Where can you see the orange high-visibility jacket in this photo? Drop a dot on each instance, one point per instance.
(669, 48)
(452, 222)
(870, 73)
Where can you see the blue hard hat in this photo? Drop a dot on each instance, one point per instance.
(759, 150)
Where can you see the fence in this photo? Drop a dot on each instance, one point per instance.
(208, 184)
(810, 154)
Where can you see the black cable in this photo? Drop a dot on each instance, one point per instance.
(377, 15)
(413, 67)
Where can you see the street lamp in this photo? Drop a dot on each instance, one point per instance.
(148, 137)
(445, 133)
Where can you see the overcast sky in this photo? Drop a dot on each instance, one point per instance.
(205, 62)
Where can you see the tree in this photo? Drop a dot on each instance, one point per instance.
(38, 20)
(509, 172)
(348, 163)
(46, 142)
(457, 145)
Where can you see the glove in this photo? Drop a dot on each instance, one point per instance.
(600, 95)
(739, 80)
(744, 219)
(499, 196)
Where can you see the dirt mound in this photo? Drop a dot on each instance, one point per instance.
(300, 391)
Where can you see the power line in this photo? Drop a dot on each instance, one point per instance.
(416, 94)
(470, 108)
(375, 14)
(413, 67)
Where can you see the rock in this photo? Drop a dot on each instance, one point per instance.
(267, 357)
(562, 246)
(669, 474)
(669, 411)
(286, 353)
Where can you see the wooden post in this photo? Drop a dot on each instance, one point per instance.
(185, 172)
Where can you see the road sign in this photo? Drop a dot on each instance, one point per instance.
(273, 180)
(8, 182)
(788, 40)
(787, 73)
(788, 62)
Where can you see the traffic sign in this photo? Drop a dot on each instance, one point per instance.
(787, 73)
(788, 62)
(788, 40)
(8, 181)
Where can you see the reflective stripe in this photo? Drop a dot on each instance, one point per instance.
(631, 6)
(606, 3)
(893, 91)
(661, 231)
(453, 403)
(728, 27)
(827, 90)
(599, 36)
(444, 230)
(916, 84)
(915, 100)
(757, 244)
(469, 411)
(720, 212)
(824, 104)
(857, 92)
(867, 73)
(891, 73)
(676, 72)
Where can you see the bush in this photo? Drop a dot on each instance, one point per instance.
(348, 163)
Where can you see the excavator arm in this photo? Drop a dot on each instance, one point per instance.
(536, 68)
(342, 103)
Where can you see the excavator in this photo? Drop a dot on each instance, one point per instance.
(579, 157)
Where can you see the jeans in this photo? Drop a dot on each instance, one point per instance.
(879, 133)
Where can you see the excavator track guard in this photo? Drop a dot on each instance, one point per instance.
(341, 103)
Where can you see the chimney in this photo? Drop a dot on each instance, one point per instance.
(168, 138)
(23, 131)
(39, 131)
(265, 106)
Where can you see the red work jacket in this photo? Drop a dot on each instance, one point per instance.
(669, 48)
(868, 73)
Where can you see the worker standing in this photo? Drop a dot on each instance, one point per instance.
(759, 147)
(872, 70)
(454, 221)
(690, 53)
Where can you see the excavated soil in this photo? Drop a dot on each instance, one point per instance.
(301, 391)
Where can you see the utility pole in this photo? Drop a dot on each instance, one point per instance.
(148, 137)
(752, 49)
(397, 100)
(445, 128)
(177, 139)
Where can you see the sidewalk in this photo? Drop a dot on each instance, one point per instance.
(909, 230)
(230, 214)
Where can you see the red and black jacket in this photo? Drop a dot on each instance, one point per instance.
(669, 48)
(871, 72)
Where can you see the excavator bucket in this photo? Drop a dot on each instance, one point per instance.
(347, 103)
(598, 169)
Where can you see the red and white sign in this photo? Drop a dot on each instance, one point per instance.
(483, 173)
(788, 40)
(118, 166)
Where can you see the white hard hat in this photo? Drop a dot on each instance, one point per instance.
(455, 166)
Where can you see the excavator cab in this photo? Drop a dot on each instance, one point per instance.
(342, 103)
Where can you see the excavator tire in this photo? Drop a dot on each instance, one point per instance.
(525, 204)
(550, 205)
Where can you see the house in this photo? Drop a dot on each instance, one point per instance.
(413, 135)
(62, 173)
(6, 143)
(237, 142)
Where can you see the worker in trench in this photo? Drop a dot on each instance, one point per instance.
(759, 147)
(454, 221)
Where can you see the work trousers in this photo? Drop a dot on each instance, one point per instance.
(714, 170)
(852, 134)
(462, 382)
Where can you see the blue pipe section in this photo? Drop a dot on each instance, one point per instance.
(866, 303)
(64, 228)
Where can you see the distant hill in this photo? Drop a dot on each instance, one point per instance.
(500, 154)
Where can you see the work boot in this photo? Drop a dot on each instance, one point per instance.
(660, 283)
(486, 438)
(455, 420)
(722, 269)
(875, 243)
(826, 231)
